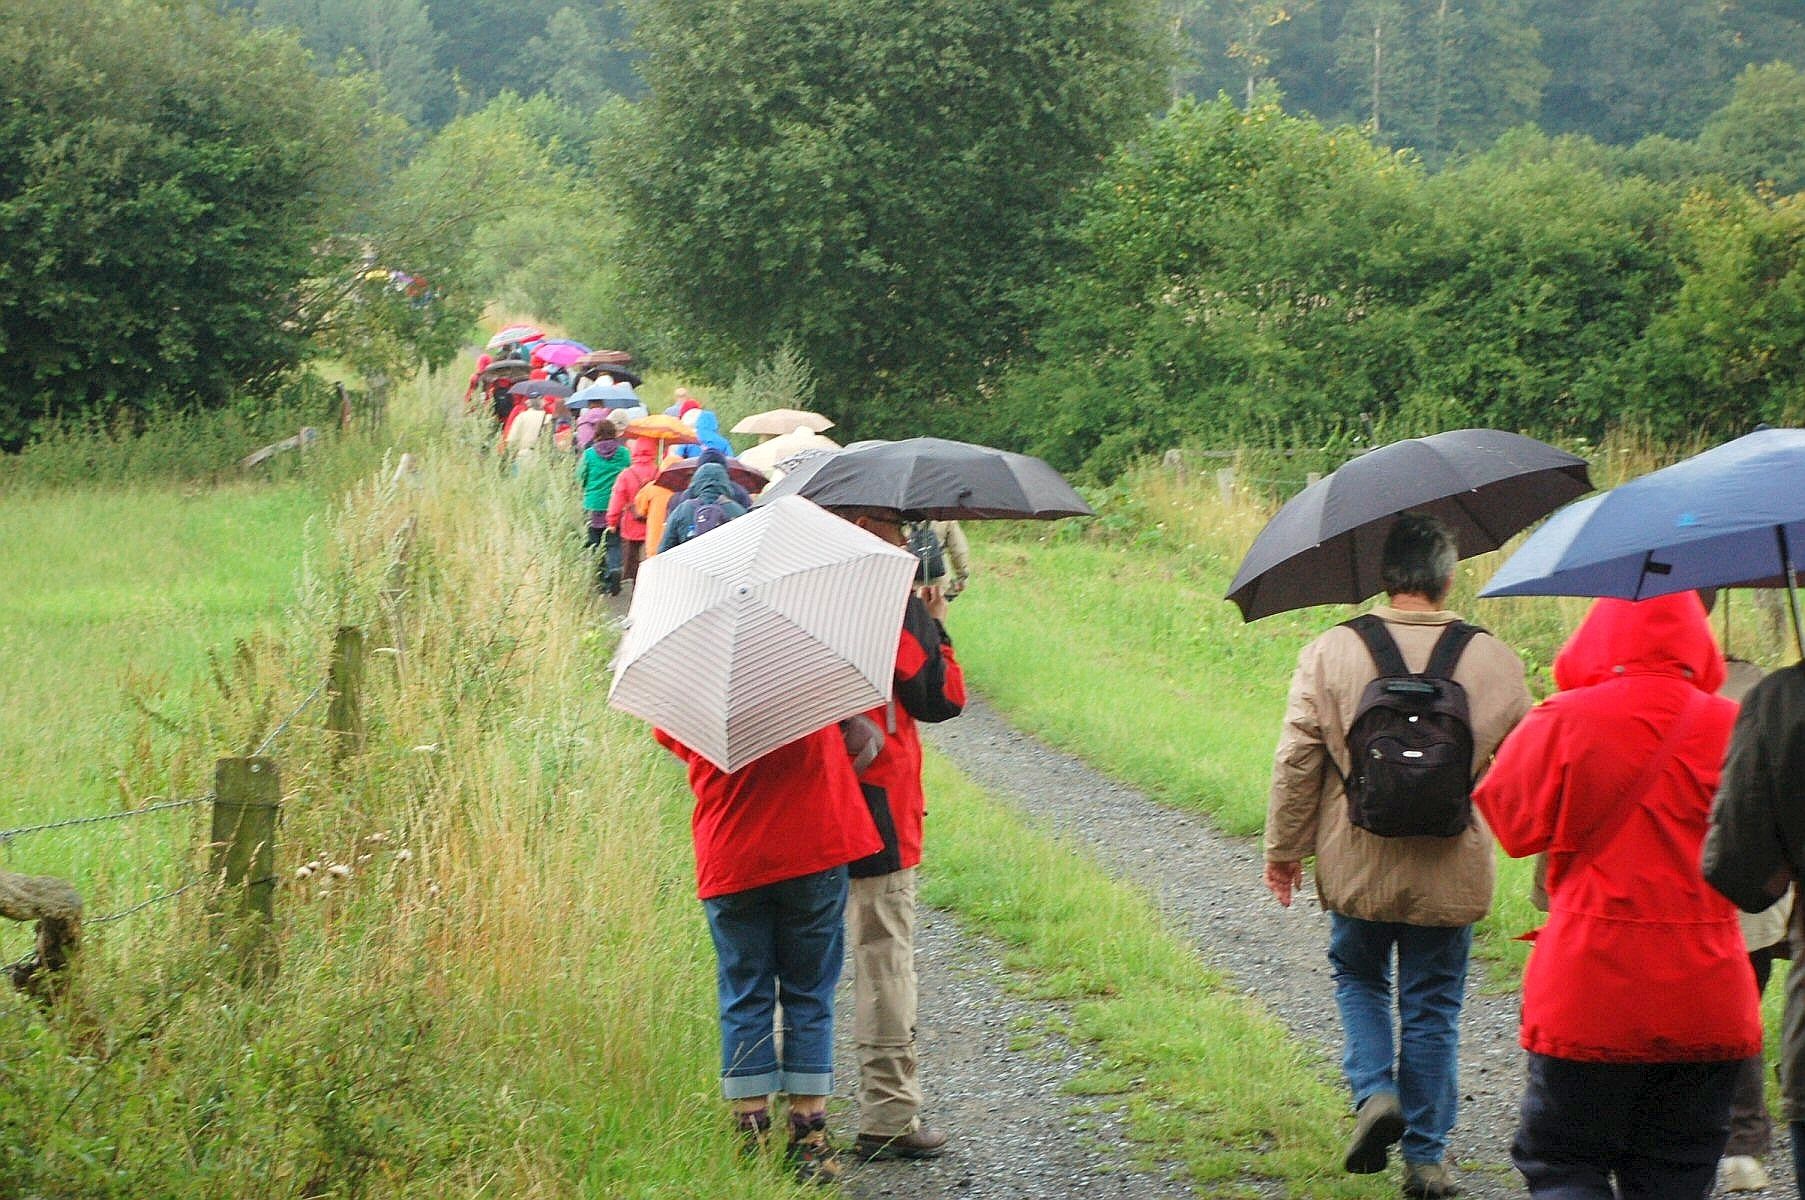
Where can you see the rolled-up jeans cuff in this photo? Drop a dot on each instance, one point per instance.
(808, 1083)
(745, 1087)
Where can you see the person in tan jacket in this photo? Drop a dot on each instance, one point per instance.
(1412, 898)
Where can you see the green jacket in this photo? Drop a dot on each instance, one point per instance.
(597, 474)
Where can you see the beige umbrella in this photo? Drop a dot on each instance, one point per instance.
(778, 421)
(762, 631)
(766, 455)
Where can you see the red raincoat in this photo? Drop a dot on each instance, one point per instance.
(1641, 961)
(622, 515)
(792, 812)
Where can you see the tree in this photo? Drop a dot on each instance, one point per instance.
(875, 182)
(174, 187)
(1759, 136)
(392, 39)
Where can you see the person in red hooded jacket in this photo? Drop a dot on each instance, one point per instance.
(623, 517)
(1638, 1001)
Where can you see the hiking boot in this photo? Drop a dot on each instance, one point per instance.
(1429, 1181)
(755, 1132)
(922, 1142)
(1743, 1173)
(1377, 1127)
(811, 1153)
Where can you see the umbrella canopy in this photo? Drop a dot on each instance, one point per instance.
(779, 421)
(558, 354)
(766, 455)
(615, 361)
(934, 479)
(762, 631)
(507, 368)
(661, 428)
(1323, 546)
(1733, 516)
(608, 395)
(534, 388)
(677, 477)
(516, 334)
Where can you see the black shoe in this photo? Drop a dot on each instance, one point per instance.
(918, 1143)
(1377, 1127)
(1429, 1181)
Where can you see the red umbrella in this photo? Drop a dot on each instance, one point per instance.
(677, 478)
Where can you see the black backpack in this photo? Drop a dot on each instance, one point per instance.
(1410, 747)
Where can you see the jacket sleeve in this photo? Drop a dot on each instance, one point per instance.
(958, 557)
(1744, 857)
(1520, 796)
(1294, 805)
(673, 521)
(929, 684)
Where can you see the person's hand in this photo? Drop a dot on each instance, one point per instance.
(1284, 878)
(935, 598)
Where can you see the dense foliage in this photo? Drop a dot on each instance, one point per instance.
(873, 182)
(1254, 274)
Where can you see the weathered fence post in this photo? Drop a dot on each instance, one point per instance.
(247, 801)
(1225, 485)
(344, 714)
(394, 586)
(56, 906)
(1176, 462)
(344, 406)
(1312, 478)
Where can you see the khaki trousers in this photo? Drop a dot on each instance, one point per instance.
(880, 924)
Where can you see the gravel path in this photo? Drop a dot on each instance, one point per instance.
(1209, 885)
(993, 1073)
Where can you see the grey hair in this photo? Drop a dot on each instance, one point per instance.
(1419, 557)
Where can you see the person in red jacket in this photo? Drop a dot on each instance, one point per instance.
(880, 914)
(623, 517)
(772, 842)
(1638, 1002)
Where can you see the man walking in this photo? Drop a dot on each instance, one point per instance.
(880, 911)
(1404, 867)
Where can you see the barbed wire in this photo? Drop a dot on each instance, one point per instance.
(279, 730)
(144, 904)
(7, 835)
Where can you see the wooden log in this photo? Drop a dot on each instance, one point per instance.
(56, 906)
(308, 434)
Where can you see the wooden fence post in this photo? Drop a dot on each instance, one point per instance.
(344, 714)
(1225, 485)
(394, 587)
(247, 796)
(1176, 462)
(1312, 478)
(56, 906)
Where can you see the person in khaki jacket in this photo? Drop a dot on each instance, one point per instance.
(1415, 898)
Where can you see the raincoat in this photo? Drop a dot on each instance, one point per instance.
(622, 516)
(1641, 961)
(654, 504)
(708, 436)
(597, 470)
(710, 485)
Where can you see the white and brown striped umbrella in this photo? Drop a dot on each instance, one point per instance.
(762, 631)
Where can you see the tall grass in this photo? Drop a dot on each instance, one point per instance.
(504, 992)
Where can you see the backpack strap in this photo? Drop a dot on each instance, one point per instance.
(1448, 649)
(1379, 644)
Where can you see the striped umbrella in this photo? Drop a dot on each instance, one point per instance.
(762, 631)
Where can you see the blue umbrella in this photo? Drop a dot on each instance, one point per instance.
(608, 395)
(1730, 517)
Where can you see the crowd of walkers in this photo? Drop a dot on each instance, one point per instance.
(1640, 1005)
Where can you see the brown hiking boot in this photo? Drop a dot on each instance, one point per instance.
(1377, 1127)
(755, 1132)
(921, 1142)
(1429, 1181)
(812, 1153)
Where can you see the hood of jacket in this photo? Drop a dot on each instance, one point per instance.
(645, 450)
(1666, 635)
(707, 425)
(710, 484)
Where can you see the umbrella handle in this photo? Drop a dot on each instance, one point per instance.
(1792, 591)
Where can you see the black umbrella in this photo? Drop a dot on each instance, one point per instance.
(532, 389)
(506, 368)
(1323, 546)
(935, 479)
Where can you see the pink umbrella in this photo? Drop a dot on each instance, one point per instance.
(558, 354)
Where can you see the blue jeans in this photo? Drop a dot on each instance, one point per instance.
(783, 941)
(1432, 979)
